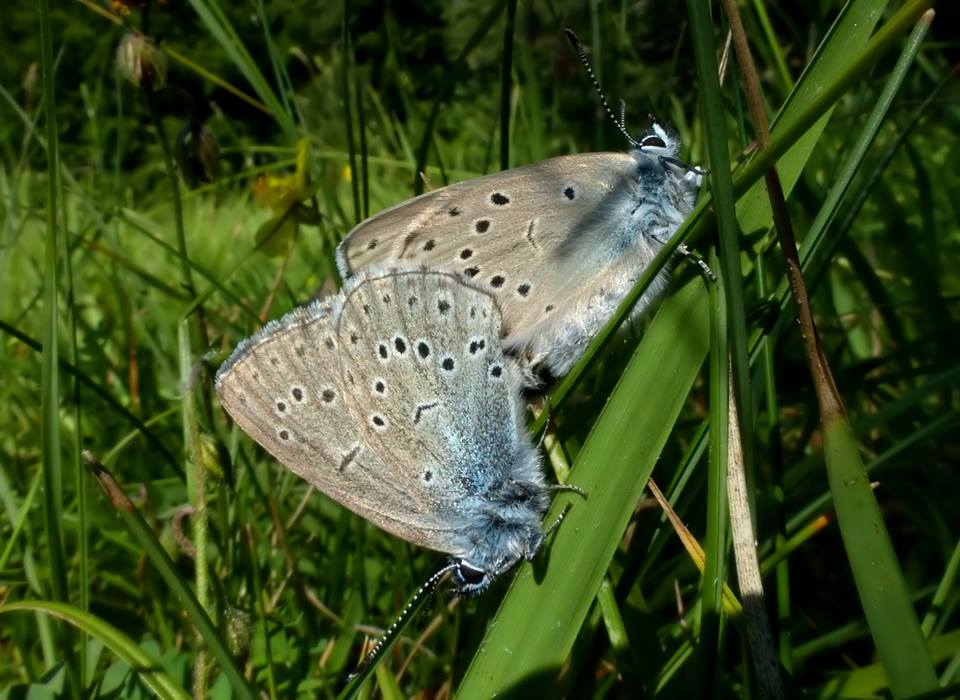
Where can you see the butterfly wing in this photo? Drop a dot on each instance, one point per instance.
(556, 242)
(283, 388)
(423, 369)
(520, 233)
(408, 441)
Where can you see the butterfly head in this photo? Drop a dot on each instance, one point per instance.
(658, 143)
(470, 579)
(661, 147)
(505, 530)
(473, 576)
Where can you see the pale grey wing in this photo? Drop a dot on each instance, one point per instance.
(538, 237)
(283, 388)
(420, 354)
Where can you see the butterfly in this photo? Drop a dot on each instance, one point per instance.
(395, 399)
(558, 243)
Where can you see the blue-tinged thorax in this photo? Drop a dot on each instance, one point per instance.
(503, 525)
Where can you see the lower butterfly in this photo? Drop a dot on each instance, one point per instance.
(395, 399)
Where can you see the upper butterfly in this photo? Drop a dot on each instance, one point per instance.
(559, 243)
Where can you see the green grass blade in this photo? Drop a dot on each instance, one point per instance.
(127, 650)
(483, 26)
(728, 344)
(848, 35)
(883, 592)
(345, 74)
(123, 261)
(17, 516)
(362, 126)
(149, 228)
(944, 588)
(774, 478)
(103, 393)
(280, 75)
(261, 607)
(773, 45)
(50, 372)
(715, 546)
(197, 494)
(506, 84)
(616, 630)
(220, 28)
(721, 190)
(50, 365)
(817, 243)
(872, 681)
(145, 537)
(539, 619)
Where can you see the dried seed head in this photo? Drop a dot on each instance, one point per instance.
(140, 61)
(237, 628)
(216, 459)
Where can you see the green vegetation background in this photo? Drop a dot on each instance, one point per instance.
(295, 581)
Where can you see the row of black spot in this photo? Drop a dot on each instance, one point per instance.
(501, 200)
(423, 350)
(448, 364)
(297, 393)
(497, 281)
(495, 371)
(483, 225)
(480, 226)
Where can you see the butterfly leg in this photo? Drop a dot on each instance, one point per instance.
(691, 169)
(700, 262)
(566, 487)
(546, 425)
(556, 523)
(532, 552)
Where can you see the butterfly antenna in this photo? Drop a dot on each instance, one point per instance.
(392, 632)
(585, 60)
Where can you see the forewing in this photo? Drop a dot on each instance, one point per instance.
(535, 236)
(283, 388)
(421, 358)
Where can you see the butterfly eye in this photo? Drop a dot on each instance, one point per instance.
(653, 142)
(469, 573)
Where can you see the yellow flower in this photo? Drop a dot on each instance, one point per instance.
(280, 192)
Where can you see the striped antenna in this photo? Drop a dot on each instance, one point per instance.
(585, 60)
(387, 639)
